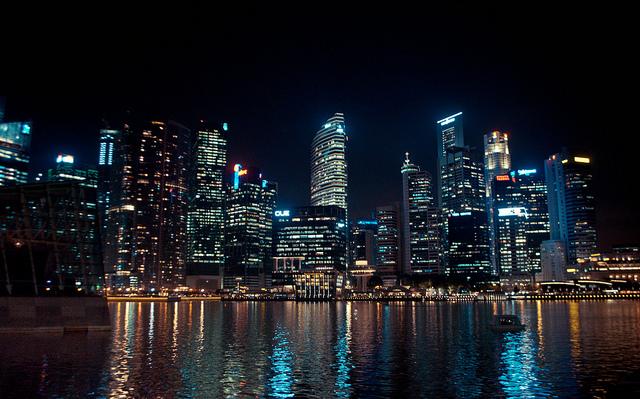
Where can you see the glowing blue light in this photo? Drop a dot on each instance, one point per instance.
(367, 222)
(283, 213)
(340, 225)
(236, 175)
(26, 128)
(456, 214)
(225, 126)
(526, 172)
(340, 130)
(327, 125)
(448, 119)
(264, 183)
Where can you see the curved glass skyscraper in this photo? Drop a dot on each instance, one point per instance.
(329, 164)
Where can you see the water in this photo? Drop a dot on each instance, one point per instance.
(343, 349)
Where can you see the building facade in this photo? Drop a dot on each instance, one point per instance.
(421, 227)
(205, 219)
(388, 256)
(450, 134)
(317, 236)
(497, 161)
(329, 164)
(248, 248)
(571, 199)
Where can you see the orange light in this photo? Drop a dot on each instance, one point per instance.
(242, 172)
(502, 178)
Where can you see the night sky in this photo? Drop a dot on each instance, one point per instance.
(550, 77)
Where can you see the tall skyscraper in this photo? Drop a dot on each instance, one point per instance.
(521, 221)
(251, 201)
(463, 186)
(205, 222)
(388, 258)
(572, 215)
(329, 164)
(420, 225)
(15, 152)
(161, 164)
(464, 206)
(497, 161)
(450, 134)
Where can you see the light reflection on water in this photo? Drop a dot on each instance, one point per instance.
(342, 349)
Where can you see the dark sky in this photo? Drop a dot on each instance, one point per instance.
(552, 77)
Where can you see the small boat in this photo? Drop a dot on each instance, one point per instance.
(507, 323)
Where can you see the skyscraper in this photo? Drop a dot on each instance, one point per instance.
(363, 241)
(497, 161)
(420, 227)
(251, 201)
(554, 260)
(329, 164)
(161, 164)
(15, 152)
(464, 206)
(572, 215)
(66, 169)
(450, 134)
(388, 257)
(205, 221)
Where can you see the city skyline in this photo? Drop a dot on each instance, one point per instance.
(391, 77)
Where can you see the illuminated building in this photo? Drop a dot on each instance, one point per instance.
(329, 164)
(554, 260)
(316, 235)
(205, 221)
(248, 249)
(49, 239)
(363, 241)
(388, 243)
(15, 150)
(109, 147)
(66, 169)
(521, 221)
(160, 209)
(497, 161)
(572, 215)
(468, 243)
(450, 134)
(463, 187)
(117, 165)
(464, 207)
(421, 224)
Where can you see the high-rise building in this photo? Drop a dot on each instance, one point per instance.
(463, 187)
(521, 221)
(205, 222)
(497, 161)
(572, 216)
(420, 228)
(554, 260)
(313, 240)
(450, 134)
(66, 169)
(116, 192)
(251, 201)
(388, 257)
(468, 239)
(160, 191)
(464, 207)
(15, 152)
(329, 164)
(363, 242)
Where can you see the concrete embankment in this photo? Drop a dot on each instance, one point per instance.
(53, 314)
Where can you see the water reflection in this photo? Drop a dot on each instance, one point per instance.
(287, 349)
